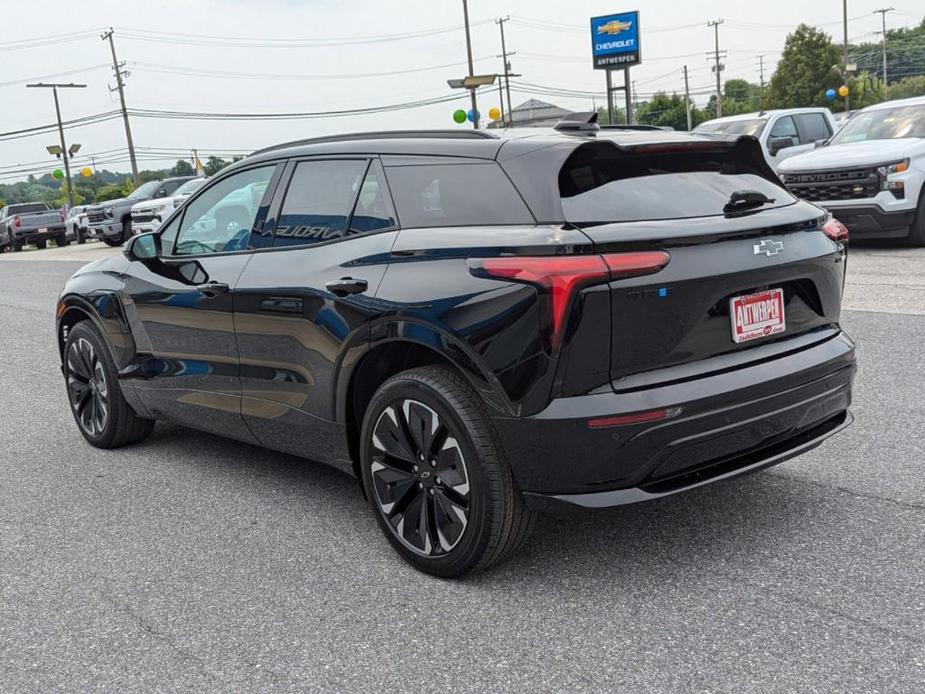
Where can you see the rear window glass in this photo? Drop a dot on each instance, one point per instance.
(443, 195)
(26, 208)
(601, 184)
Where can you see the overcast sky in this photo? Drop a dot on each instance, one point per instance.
(550, 37)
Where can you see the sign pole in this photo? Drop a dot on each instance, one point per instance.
(609, 98)
(630, 116)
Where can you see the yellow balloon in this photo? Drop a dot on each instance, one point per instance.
(843, 91)
(86, 172)
(494, 113)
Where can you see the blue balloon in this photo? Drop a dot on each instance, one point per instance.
(473, 115)
(830, 94)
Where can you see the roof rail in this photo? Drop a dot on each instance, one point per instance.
(584, 122)
(385, 135)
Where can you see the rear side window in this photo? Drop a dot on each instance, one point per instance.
(813, 126)
(600, 184)
(318, 201)
(446, 195)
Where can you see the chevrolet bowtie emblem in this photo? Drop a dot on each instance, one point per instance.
(769, 247)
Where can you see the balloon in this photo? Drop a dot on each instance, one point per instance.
(830, 94)
(459, 116)
(86, 172)
(58, 173)
(494, 113)
(843, 91)
(473, 115)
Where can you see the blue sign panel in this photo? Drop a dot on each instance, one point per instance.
(615, 40)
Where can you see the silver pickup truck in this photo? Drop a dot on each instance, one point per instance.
(31, 222)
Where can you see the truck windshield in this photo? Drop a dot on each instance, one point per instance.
(883, 124)
(144, 190)
(746, 126)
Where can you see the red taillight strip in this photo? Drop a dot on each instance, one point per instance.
(561, 276)
(634, 418)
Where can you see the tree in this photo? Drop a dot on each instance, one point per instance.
(213, 165)
(808, 67)
(908, 87)
(109, 192)
(666, 110)
(182, 168)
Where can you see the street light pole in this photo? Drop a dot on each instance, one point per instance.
(64, 154)
(475, 111)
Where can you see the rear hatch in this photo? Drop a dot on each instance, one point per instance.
(749, 263)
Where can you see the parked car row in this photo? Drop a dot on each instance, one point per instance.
(112, 221)
(868, 171)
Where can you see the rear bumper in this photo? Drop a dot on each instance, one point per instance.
(33, 235)
(872, 222)
(730, 423)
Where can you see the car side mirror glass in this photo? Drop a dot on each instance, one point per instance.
(160, 193)
(143, 247)
(778, 143)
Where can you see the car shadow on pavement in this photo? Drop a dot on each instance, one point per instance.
(728, 523)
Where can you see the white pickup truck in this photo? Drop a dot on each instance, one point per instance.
(783, 133)
(871, 174)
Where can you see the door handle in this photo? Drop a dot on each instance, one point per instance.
(212, 289)
(346, 285)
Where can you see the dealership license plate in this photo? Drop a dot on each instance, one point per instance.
(757, 315)
(43, 230)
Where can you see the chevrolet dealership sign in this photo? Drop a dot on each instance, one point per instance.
(615, 40)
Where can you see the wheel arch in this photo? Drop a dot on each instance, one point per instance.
(392, 355)
(106, 313)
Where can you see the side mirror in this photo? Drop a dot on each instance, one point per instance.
(160, 193)
(776, 144)
(820, 143)
(143, 247)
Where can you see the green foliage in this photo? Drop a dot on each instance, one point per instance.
(213, 165)
(61, 199)
(182, 168)
(908, 87)
(109, 192)
(905, 54)
(808, 66)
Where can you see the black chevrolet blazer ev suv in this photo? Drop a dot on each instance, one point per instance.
(478, 326)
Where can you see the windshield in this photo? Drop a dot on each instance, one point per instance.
(883, 124)
(190, 187)
(144, 190)
(746, 126)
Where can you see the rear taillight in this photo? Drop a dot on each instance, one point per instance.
(61, 214)
(835, 230)
(17, 222)
(560, 277)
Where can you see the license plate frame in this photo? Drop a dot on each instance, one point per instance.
(757, 315)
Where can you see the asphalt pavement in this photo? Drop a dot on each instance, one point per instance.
(192, 563)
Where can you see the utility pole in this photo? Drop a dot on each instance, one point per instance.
(845, 65)
(635, 102)
(687, 99)
(718, 67)
(475, 111)
(120, 74)
(507, 70)
(64, 152)
(761, 81)
(883, 44)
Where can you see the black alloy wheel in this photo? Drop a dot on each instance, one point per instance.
(436, 476)
(419, 477)
(86, 385)
(100, 409)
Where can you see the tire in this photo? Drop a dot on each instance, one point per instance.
(61, 241)
(917, 231)
(112, 241)
(102, 414)
(464, 473)
(41, 245)
(79, 236)
(15, 246)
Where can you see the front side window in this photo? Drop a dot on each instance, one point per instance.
(318, 201)
(222, 217)
(784, 127)
(446, 195)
